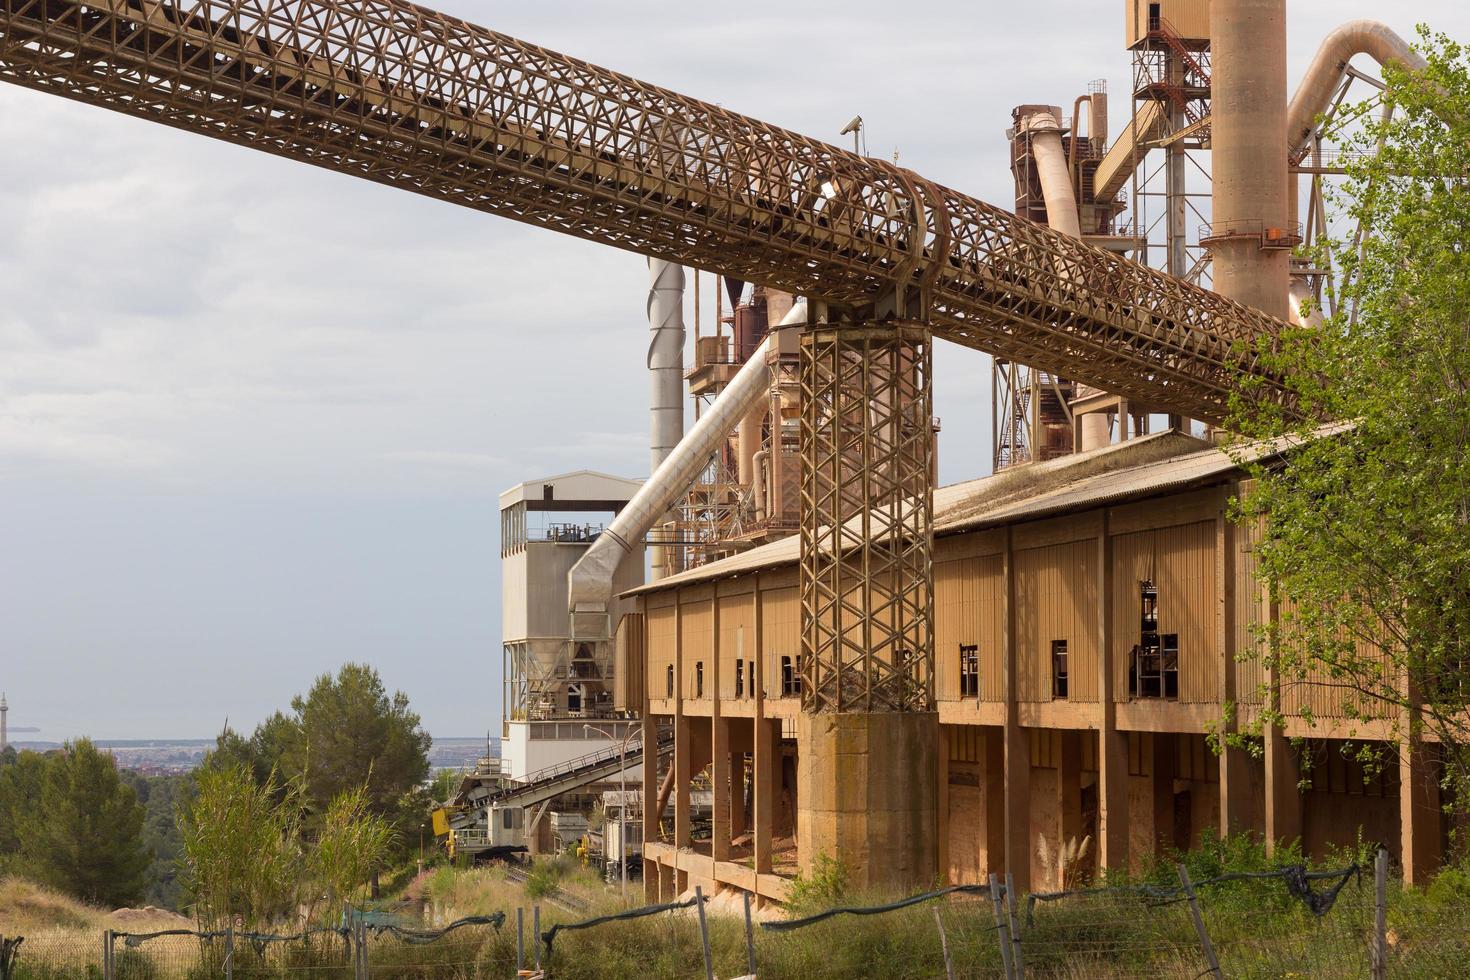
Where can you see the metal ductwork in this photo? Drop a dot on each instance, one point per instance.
(1061, 215)
(665, 369)
(1315, 93)
(589, 583)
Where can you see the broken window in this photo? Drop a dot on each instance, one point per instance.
(671, 680)
(969, 670)
(1059, 670)
(1154, 668)
(790, 677)
(740, 678)
(699, 678)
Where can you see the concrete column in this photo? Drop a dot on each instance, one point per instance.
(941, 777)
(767, 766)
(1283, 797)
(1248, 118)
(1165, 758)
(683, 776)
(650, 795)
(1069, 788)
(1237, 813)
(737, 794)
(722, 797)
(1112, 745)
(1421, 847)
(993, 790)
(1017, 743)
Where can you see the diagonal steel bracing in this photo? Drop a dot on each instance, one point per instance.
(867, 518)
(392, 92)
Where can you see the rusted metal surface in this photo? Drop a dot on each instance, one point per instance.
(867, 518)
(395, 93)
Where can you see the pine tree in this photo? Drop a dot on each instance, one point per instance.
(82, 831)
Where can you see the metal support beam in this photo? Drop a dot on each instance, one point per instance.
(867, 518)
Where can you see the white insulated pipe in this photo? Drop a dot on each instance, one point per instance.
(590, 581)
(665, 359)
(1061, 215)
(1319, 84)
(665, 369)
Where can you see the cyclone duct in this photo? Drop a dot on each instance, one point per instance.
(1319, 84)
(1061, 215)
(1249, 239)
(589, 583)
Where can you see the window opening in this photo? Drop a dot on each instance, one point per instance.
(969, 670)
(699, 678)
(1059, 670)
(740, 678)
(671, 680)
(1154, 669)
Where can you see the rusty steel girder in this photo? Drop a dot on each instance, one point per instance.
(398, 94)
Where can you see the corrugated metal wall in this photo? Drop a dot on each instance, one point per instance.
(1181, 562)
(1190, 18)
(628, 663)
(660, 626)
(1056, 599)
(1250, 673)
(697, 637)
(781, 624)
(737, 642)
(967, 610)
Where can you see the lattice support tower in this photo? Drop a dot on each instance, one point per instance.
(867, 518)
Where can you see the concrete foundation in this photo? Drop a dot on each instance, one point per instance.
(868, 796)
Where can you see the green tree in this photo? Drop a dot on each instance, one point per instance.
(1367, 528)
(345, 733)
(351, 847)
(162, 797)
(78, 828)
(20, 794)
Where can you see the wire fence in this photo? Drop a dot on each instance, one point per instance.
(1282, 923)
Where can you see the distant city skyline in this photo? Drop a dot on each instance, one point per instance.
(254, 416)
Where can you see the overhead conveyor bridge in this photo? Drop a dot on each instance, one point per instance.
(394, 93)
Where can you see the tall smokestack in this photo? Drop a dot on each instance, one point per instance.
(1249, 236)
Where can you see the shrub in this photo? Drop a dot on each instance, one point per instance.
(824, 888)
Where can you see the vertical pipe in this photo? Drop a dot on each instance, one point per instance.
(1248, 113)
(665, 370)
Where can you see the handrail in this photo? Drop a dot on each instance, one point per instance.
(550, 774)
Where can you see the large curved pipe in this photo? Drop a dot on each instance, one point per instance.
(1061, 215)
(1318, 85)
(589, 583)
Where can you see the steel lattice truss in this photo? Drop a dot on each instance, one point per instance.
(867, 519)
(398, 94)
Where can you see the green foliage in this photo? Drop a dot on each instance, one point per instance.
(161, 797)
(352, 845)
(444, 785)
(345, 733)
(544, 879)
(824, 888)
(70, 823)
(242, 850)
(1367, 540)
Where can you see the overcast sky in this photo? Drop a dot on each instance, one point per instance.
(254, 416)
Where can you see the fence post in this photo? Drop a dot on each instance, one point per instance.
(1380, 915)
(1199, 925)
(107, 954)
(1018, 963)
(230, 951)
(536, 934)
(943, 943)
(749, 937)
(1002, 929)
(520, 940)
(709, 963)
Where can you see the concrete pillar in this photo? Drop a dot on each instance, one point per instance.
(767, 765)
(722, 798)
(852, 806)
(650, 794)
(1420, 811)
(993, 790)
(1069, 788)
(1237, 810)
(1016, 741)
(1283, 796)
(1165, 760)
(1248, 119)
(1112, 745)
(683, 776)
(941, 781)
